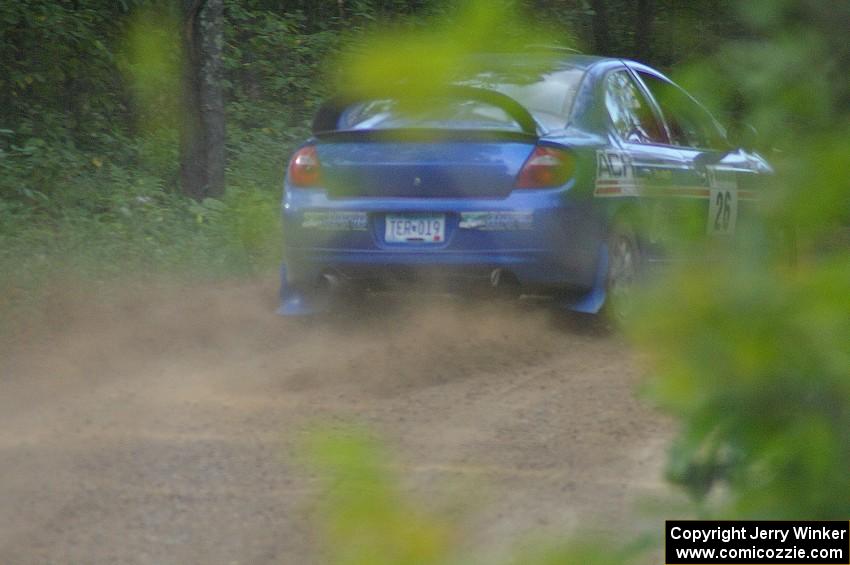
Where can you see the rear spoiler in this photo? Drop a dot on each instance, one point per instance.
(326, 122)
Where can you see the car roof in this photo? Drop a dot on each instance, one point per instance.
(559, 59)
(585, 61)
(555, 57)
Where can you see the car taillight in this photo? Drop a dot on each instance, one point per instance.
(305, 170)
(546, 167)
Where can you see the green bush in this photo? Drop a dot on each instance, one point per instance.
(365, 518)
(750, 353)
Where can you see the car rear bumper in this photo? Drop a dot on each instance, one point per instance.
(531, 269)
(539, 236)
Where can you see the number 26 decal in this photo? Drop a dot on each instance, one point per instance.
(721, 217)
(723, 211)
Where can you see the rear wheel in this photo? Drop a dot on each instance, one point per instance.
(624, 269)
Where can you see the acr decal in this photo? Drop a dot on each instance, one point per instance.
(614, 165)
(497, 221)
(335, 221)
(615, 174)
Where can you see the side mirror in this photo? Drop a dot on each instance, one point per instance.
(744, 136)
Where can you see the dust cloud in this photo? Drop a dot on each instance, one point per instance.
(162, 422)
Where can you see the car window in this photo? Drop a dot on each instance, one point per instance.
(448, 113)
(548, 96)
(630, 111)
(553, 94)
(689, 123)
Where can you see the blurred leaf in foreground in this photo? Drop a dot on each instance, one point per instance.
(365, 517)
(418, 64)
(151, 60)
(751, 354)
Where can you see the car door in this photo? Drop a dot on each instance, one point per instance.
(724, 180)
(644, 163)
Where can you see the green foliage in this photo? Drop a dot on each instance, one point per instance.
(89, 109)
(58, 67)
(60, 97)
(366, 519)
(89, 153)
(89, 116)
(755, 365)
(392, 57)
(272, 63)
(751, 354)
(151, 61)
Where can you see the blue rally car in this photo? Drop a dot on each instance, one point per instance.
(563, 180)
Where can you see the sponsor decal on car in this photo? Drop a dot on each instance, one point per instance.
(614, 174)
(723, 201)
(497, 221)
(335, 221)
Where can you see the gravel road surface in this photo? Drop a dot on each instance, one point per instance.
(167, 426)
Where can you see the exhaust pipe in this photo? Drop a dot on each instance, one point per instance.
(331, 281)
(496, 278)
(505, 282)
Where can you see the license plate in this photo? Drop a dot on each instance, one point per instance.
(415, 228)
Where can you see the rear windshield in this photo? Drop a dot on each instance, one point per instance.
(547, 96)
(447, 113)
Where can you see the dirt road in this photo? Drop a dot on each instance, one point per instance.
(166, 427)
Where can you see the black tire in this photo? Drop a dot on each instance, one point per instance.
(625, 266)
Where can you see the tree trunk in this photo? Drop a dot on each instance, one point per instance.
(202, 134)
(643, 30)
(601, 45)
